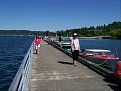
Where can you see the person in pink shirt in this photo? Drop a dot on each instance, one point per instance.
(37, 44)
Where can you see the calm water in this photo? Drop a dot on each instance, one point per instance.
(12, 52)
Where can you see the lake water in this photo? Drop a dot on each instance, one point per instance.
(12, 52)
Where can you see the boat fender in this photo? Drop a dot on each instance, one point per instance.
(117, 71)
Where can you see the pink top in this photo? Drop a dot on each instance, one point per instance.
(37, 41)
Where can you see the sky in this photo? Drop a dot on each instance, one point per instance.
(56, 15)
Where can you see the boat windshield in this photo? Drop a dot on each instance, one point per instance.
(66, 39)
(102, 53)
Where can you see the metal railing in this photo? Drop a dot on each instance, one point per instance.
(21, 79)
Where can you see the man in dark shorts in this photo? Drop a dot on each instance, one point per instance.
(60, 39)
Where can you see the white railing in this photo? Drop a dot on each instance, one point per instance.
(21, 79)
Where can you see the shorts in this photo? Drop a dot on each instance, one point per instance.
(60, 43)
(37, 46)
(75, 54)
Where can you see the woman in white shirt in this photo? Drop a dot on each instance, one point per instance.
(75, 47)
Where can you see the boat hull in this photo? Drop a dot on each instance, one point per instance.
(107, 63)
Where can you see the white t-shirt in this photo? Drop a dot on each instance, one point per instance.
(75, 44)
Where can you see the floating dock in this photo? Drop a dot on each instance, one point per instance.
(52, 70)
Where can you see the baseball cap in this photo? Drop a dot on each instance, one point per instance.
(75, 33)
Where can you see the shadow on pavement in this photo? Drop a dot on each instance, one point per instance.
(62, 62)
(113, 84)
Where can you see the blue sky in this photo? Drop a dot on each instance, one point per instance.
(54, 15)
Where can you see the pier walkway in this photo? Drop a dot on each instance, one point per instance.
(52, 70)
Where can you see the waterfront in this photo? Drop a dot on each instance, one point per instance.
(14, 48)
(12, 52)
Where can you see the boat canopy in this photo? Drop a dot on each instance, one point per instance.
(97, 50)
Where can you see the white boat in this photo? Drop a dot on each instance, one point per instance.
(100, 56)
(66, 43)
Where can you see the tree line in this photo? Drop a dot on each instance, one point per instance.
(113, 30)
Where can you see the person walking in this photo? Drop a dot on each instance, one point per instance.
(60, 39)
(37, 44)
(75, 48)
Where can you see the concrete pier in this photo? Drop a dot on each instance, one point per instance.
(52, 70)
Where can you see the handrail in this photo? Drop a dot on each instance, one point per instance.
(21, 79)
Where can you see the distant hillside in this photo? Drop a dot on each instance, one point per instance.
(15, 32)
(19, 32)
(113, 30)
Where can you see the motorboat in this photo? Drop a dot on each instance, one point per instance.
(101, 57)
(66, 43)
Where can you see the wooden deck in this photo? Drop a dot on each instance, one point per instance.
(52, 70)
